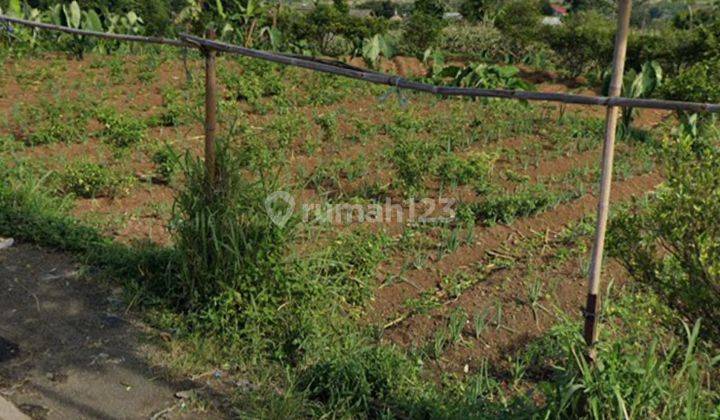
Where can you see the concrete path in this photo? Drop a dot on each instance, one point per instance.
(69, 351)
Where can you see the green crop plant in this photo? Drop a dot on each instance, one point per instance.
(167, 162)
(473, 170)
(121, 130)
(329, 125)
(376, 47)
(480, 322)
(51, 122)
(504, 207)
(412, 158)
(92, 180)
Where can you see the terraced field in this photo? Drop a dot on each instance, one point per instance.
(112, 137)
(107, 134)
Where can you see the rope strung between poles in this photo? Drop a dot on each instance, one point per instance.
(401, 83)
(346, 70)
(105, 35)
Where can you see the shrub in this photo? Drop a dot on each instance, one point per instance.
(483, 40)
(166, 160)
(698, 83)
(505, 207)
(584, 42)
(672, 240)
(520, 20)
(420, 32)
(477, 10)
(411, 158)
(230, 249)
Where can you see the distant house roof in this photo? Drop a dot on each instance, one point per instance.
(559, 10)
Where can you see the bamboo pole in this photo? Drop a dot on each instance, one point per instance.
(593, 302)
(210, 113)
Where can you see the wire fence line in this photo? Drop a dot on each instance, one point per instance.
(345, 70)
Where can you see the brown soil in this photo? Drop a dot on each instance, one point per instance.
(389, 299)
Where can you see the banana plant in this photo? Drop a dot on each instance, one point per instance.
(636, 84)
(435, 61)
(72, 16)
(375, 47)
(19, 34)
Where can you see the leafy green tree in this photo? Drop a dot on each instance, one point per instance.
(432, 8)
(477, 10)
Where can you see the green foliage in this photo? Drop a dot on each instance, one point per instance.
(433, 8)
(698, 83)
(121, 130)
(231, 251)
(411, 157)
(92, 180)
(632, 380)
(375, 47)
(474, 170)
(258, 79)
(420, 32)
(318, 29)
(583, 42)
(167, 162)
(487, 76)
(482, 40)
(520, 20)
(51, 122)
(478, 10)
(671, 241)
(636, 84)
(504, 207)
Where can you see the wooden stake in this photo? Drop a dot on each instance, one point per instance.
(210, 112)
(593, 302)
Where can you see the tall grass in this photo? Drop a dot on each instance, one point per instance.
(231, 254)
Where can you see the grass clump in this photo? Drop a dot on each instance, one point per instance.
(645, 369)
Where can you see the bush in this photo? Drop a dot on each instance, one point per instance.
(520, 20)
(672, 240)
(697, 83)
(477, 10)
(121, 130)
(474, 170)
(323, 24)
(481, 40)
(420, 32)
(584, 42)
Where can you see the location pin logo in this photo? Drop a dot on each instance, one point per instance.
(280, 206)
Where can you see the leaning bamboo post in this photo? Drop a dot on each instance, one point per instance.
(593, 302)
(210, 112)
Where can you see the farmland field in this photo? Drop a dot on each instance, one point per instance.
(108, 137)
